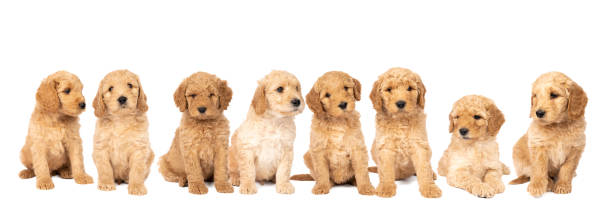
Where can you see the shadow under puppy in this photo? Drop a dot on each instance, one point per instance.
(471, 161)
(53, 144)
(548, 154)
(262, 147)
(401, 148)
(122, 151)
(200, 147)
(337, 153)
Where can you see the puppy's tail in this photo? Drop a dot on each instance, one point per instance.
(373, 169)
(302, 177)
(520, 180)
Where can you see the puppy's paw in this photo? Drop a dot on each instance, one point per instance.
(285, 188)
(65, 173)
(366, 189)
(44, 184)
(537, 188)
(248, 188)
(182, 182)
(235, 180)
(137, 189)
(26, 174)
(498, 186)
(386, 190)
(224, 187)
(562, 188)
(430, 191)
(482, 190)
(320, 188)
(197, 188)
(83, 179)
(106, 186)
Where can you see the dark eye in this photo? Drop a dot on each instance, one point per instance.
(388, 90)
(280, 89)
(192, 95)
(110, 88)
(346, 88)
(211, 95)
(67, 91)
(553, 95)
(456, 117)
(327, 95)
(477, 117)
(130, 85)
(410, 88)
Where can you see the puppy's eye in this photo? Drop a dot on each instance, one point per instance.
(192, 95)
(211, 95)
(553, 95)
(456, 117)
(280, 89)
(477, 117)
(327, 95)
(388, 90)
(345, 88)
(297, 88)
(67, 91)
(410, 88)
(130, 85)
(110, 88)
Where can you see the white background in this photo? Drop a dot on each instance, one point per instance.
(486, 47)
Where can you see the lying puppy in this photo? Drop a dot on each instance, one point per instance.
(53, 144)
(262, 147)
(337, 150)
(401, 148)
(549, 153)
(199, 149)
(122, 152)
(471, 161)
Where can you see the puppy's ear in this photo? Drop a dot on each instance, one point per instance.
(179, 96)
(421, 98)
(225, 94)
(376, 97)
(577, 101)
(495, 119)
(533, 102)
(142, 98)
(357, 89)
(259, 101)
(98, 102)
(46, 96)
(451, 126)
(314, 102)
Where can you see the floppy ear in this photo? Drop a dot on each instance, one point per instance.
(376, 97)
(225, 95)
(142, 98)
(421, 98)
(314, 102)
(46, 96)
(495, 119)
(577, 101)
(179, 96)
(357, 89)
(259, 102)
(533, 102)
(451, 126)
(98, 103)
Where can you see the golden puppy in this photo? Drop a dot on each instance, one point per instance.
(122, 152)
(401, 148)
(337, 150)
(262, 147)
(471, 161)
(53, 144)
(199, 148)
(549, 153)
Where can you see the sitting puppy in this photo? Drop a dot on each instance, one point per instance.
(262, 147)
(122, 152)
(199, 149)
(549, 153)
(337, 150)
(53, 144)
(401, 148)
(471, 161)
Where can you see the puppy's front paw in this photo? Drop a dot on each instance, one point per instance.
(106, 186)
(537, 188)
(44, 184)
(137, 189)
(285, 188)
(83, 179)
(386, 190)
(430, 191)
(248, 188)
(320, 188)
(562, 188)
(482, 190)
(366, 189)
(224, 187)
(197, 188)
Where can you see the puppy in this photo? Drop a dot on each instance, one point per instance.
(262, 147)
(549, 153)
(337, 153)
(401, 148)
(122, 152)
(199, 149)
(471, 161)
(53, 144)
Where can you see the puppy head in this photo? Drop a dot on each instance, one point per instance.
(556, 98)
(61, 92)
(334, 94)
(278, 93)
(203, 96)
(120, 93)
(475, 118)
(398, 90)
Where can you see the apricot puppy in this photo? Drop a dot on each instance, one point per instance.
(401, 148)
(548, 154)
(471, 161)
(337, 153)
(199, 149)
(122, 152)
(53, 144)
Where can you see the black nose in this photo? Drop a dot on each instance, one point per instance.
(296, 102)
(202, 109)
(463, 131)
(82, 105)
(342, 105)
(400, 104)
(122, 100)
(540, 113)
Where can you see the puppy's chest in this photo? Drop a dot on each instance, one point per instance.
(476, 156)
(557, 143)
(201, 140)
(56, 140)
(338, 140)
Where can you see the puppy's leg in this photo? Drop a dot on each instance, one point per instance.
(425, 175)
(386, 172)
(539, 171)
(234, 171)
(105, 170)
(283, 172)
(75, 154)
(493, 178)
(138, 172)
(520, 157)
(220, 173)
(463, 178)
(443, 164)
(247, 172)
(567, 172)
(359, 161)
(193, 170)
(320, 172)
(41, 168)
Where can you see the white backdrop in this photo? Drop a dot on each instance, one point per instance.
(486, 47)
